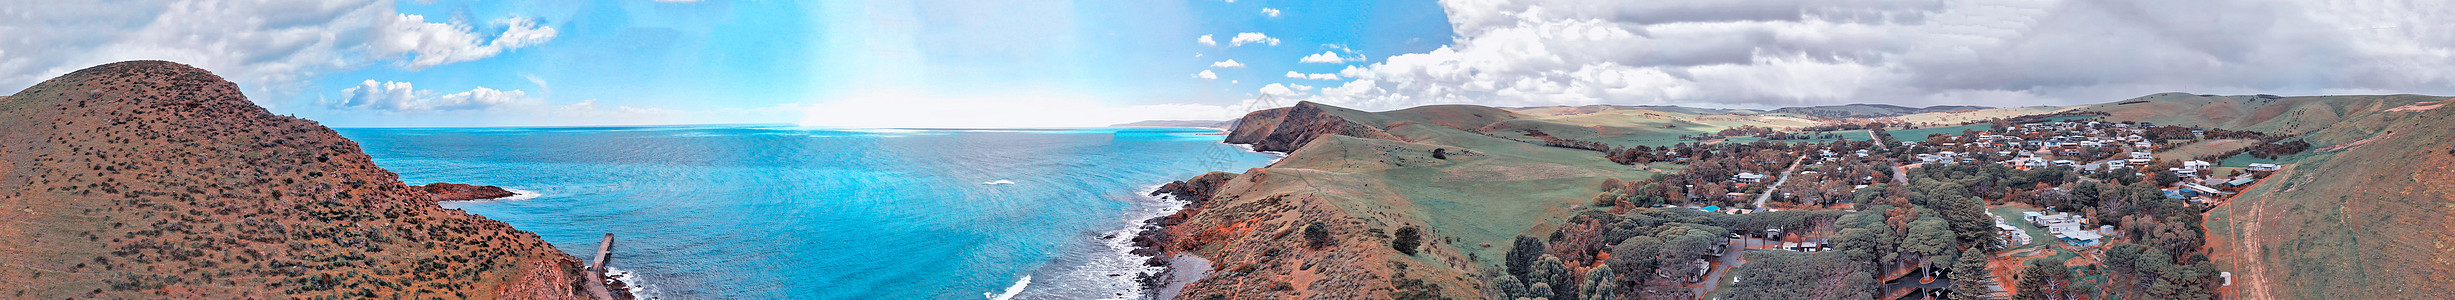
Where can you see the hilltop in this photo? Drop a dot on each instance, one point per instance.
(153, 179)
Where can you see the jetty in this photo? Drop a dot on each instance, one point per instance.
(596, 270)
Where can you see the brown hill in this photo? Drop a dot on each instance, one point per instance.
(2364, 215)
(152, 179)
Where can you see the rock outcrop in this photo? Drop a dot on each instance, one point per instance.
(1286, 129)
(442, 191)
(156, 180)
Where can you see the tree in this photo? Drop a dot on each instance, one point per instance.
(1598, 285)
(1549, 278)
(1406, 239)
(1522, 255)
(1316, 235)
(1928, 236)
(1969, 276)
(2043, 279)
(1635, 257)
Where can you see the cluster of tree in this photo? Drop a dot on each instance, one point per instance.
(2271, 150)
(1833, 181)
(1598, 255)
(1842, 126)
(1802, 136)
(2145, 272)
(1746, 130)
(1554, 141)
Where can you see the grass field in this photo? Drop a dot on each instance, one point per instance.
(2203, 148)
(1921, 133)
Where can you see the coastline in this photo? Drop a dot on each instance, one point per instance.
(1175, 269)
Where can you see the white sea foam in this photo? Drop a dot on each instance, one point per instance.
(1011, 290)
(630, 281)
(998, 182)
(519, 194)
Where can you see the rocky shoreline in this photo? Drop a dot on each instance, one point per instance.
(461, 192)
(1154, 240)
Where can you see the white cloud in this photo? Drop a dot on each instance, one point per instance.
(1286, 90)
(401, 96)
(1231, 63)
(1205, 40)
(430, 44)
(1272, 12)
(1326, 57)
(1998, 53)
(1317, 76)
(271, 48)
(1252, 38)
(1206, 74)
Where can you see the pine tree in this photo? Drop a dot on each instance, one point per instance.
(1969, 276)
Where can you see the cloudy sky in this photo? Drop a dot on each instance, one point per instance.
(1045, 63)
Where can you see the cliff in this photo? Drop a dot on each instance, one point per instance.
(152, 179)
(1289, 128)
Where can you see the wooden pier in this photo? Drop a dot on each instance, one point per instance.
(596, 270)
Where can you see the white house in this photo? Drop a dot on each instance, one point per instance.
(2263, 167)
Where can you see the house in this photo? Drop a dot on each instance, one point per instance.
(2143, 144)
(1748, 177)
(2142, 155)
(1803, 246)
(2066, 227)
(2264, 167)
(2196, 165)
(2202, 189)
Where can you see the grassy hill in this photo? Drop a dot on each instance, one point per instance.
(156, 180)
(2363, 216)
(1361, 177)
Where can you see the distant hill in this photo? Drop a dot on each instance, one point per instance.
(1870, 110)
(1178, 123)
(156, 180)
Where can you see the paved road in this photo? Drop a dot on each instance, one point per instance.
(1777, 184)
(1879, 142)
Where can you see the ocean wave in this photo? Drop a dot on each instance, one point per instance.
(518, 194)
(630, 282)
(998, 182)
(1017, 288)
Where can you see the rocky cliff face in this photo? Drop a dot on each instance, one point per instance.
(1289, 128)
(151, 179)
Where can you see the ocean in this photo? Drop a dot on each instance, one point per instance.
(785, 212)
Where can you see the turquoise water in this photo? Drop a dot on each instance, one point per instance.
(782, 212)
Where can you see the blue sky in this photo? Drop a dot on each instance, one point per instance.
(764, 61)
(1043, 63)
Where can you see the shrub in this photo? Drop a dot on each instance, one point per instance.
(1406, 239)
(1316, 236)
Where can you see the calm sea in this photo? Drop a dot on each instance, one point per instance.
(783, 212)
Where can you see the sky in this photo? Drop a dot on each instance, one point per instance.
(1043, 63)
